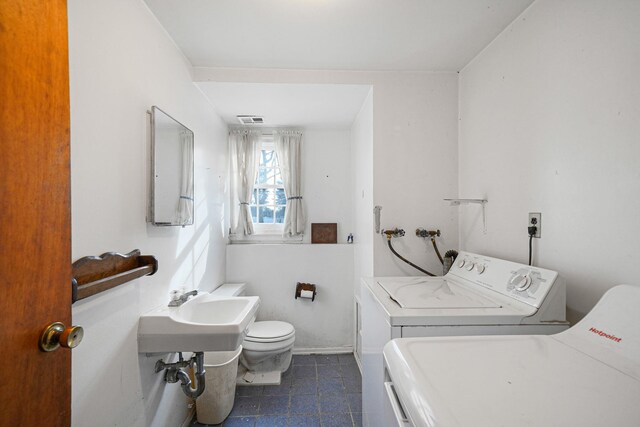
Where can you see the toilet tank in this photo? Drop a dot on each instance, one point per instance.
(229, 290)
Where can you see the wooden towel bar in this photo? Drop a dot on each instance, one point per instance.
(93, 274)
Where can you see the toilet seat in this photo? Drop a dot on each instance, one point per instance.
(269, 331)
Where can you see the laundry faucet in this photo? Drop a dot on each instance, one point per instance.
(177, 301)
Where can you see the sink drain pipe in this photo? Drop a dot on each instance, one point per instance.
(175, 372)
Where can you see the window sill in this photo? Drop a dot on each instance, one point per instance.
(263, 238)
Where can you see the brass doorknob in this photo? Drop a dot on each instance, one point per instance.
(56, 335)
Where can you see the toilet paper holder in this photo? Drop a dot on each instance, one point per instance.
(307, 287)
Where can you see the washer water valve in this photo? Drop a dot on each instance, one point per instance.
(396, 232)
(421, 232)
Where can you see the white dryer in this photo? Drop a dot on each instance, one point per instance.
(586, 376)
(479, 296)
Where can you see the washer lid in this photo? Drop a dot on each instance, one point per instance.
(269, 329)
(435, 292)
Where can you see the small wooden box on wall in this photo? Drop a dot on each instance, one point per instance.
(324, 232)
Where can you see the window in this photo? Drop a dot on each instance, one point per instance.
(259, 210)
(268, 202)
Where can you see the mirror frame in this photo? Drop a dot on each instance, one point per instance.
(151, 214)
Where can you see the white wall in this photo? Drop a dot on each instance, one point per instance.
(414, 153)
(404, 144)
(549, 122)
(326, 179)
(272, 271)
(362, 191)
(121, 63)
(415, 167)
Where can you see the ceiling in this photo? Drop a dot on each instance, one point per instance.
(365, 35)
(400, 35)
(300, 105)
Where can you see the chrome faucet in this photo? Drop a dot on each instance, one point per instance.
(177, 302)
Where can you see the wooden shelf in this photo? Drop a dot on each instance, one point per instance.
(95, 274)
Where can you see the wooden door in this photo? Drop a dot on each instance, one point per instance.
(35, 226)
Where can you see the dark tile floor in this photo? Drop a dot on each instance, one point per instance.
(317, 390)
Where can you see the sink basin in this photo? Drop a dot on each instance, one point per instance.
(204, 323)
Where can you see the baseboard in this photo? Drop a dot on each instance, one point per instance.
(323, 350)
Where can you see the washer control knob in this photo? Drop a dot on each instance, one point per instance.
(521, 282)
(461, 263)
(480, 268)
(470, 266)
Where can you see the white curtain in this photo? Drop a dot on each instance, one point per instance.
(288, 149)
(184, 212)
(244, 151)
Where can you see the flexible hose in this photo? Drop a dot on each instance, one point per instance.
(435, 247)
(407, 261)
(449, 258)
(451, 253)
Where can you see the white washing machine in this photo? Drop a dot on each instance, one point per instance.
(479, 296)
(586, 376)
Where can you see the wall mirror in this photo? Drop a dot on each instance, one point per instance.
(171, 185)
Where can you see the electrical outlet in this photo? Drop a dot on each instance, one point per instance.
(535, 218)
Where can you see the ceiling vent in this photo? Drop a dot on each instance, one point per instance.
(250, 120)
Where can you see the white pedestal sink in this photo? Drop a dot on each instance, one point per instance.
(204, 323)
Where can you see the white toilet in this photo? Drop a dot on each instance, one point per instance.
(268, 344)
